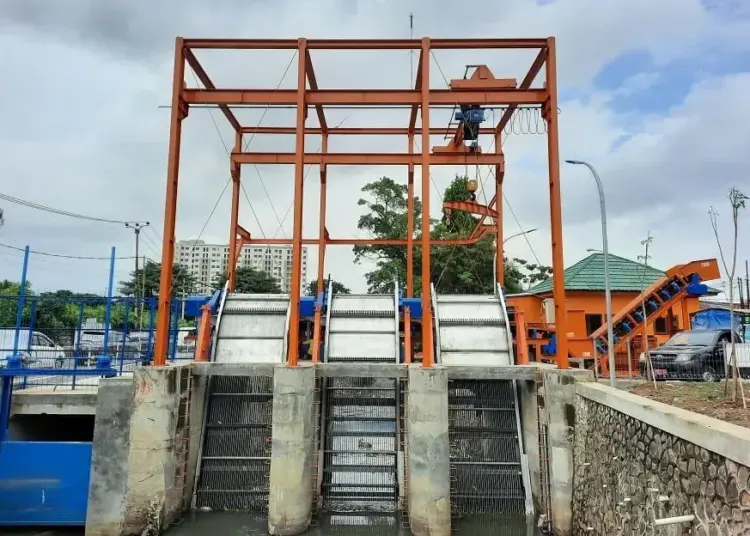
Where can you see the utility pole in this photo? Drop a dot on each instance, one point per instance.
(649, 366)
(137, 226)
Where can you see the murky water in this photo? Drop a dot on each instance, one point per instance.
(226, 524)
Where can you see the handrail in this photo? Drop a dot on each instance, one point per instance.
(329, 301)
(285, 346)
(397, 317)
(436, 322)
(508, 334)
(215, 339)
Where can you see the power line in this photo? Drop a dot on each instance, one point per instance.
(45, 208)
(61, 256)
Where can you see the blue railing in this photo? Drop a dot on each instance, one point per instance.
(70, 333)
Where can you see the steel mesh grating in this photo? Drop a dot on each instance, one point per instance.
(360, 461)
(236, 444)
(485, 456)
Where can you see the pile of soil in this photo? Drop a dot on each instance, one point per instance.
(704, 398)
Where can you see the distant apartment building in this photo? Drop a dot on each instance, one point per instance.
(205, 261)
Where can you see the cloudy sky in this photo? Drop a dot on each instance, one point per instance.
(652, 93)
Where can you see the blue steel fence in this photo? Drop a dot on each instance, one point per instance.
(70, 333)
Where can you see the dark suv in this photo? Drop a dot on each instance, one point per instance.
(691, 355)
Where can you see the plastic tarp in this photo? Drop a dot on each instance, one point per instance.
(714, 319)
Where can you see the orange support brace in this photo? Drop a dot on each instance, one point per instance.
(204, 335)
(522, 346)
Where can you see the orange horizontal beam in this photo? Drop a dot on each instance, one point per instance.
(363, 97)
(364, 241)
(362, 44)
(353, 131)
(383, 159)
(470, 207)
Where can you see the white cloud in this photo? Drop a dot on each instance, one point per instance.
(83, 129)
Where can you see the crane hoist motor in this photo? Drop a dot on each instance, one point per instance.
(469, 119)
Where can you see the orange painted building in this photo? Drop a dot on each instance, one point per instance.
(585, 304)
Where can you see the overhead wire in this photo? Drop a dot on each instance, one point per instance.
(45, 208)
(246, 145)
(61, 255)
(472, 263)
(490, 170)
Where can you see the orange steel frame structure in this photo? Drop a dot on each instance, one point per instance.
(480, 89)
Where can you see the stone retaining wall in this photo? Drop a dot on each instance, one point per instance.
(636, 460)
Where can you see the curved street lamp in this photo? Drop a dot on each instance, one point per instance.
(605, 251)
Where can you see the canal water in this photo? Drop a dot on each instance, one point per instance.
(225, 524)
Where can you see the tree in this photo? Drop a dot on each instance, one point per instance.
(455, 269)
(338, 288)
(146, 281)
(250, 281)
(737, 201)
(385, 218)
(530, 273)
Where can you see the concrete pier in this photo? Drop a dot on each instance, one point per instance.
(560, 399)
(158, 489)
(109, 468)
(428, 461)
(291, 494)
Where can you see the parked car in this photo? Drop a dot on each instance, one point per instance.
(695, 354)
(90, 346)
(37, 350)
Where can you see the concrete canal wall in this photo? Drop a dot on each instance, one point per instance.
(637, 460)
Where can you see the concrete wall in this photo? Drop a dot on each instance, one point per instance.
(109, 468)
(631, 450)
(559, 411)
(158, 485)
(291, 477)
(428, 460)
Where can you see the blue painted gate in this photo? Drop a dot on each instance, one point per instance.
(44, 483)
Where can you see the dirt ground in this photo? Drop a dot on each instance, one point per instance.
(704, 398)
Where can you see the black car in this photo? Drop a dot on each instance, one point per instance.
(690, 355)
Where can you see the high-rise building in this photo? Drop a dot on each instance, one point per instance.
(205, 261)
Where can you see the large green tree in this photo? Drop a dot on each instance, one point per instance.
(250, 281)
(338, 288)
(454, 269)
(138, 285)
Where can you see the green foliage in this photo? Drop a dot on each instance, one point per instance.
(146, 281)
(250, 281)
(530, 273)
(338, 288)
(455, 269)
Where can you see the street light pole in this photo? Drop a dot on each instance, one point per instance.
(607, 291)
(494, 257)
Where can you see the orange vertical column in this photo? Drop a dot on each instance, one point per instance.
(522, 345)
(410, 223)
(553, 150)
(685, 322)
(299, 177)
(178, 113)
(234, 171)
(499, 252)
(321, 251)
(427, 344)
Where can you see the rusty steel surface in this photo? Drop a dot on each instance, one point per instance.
(362, 97)
(481, 89)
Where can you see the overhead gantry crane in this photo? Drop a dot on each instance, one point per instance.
(466, 96)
